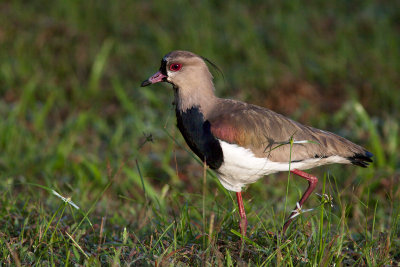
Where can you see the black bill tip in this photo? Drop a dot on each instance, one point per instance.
(145, 83)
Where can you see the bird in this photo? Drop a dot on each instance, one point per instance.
(243, 142)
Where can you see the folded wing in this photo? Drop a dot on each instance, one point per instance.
(268, 135)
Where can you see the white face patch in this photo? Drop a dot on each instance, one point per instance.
(171, 73)
(242, 167)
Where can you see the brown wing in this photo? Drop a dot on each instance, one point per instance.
(268, 134)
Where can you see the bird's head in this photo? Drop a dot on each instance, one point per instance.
(182, 69)
(190, 77)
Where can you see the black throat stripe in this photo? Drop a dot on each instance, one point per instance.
(197, 134)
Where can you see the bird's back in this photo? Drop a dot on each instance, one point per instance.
(268, 134)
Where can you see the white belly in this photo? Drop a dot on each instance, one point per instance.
(242, 167)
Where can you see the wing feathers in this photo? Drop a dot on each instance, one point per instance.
(268, 134)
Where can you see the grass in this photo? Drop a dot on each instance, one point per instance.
(74, 120)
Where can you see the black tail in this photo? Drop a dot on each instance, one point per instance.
(362, 160)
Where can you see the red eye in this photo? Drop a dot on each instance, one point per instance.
(175, 66)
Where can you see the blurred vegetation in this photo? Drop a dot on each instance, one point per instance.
(75, 120)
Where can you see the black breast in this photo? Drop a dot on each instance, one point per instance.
(198, 136)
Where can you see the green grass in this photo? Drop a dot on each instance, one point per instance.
(75, 120)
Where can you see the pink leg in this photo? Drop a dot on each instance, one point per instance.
(312, 183)
(242, 213)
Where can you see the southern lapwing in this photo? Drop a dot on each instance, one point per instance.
(244, 142)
